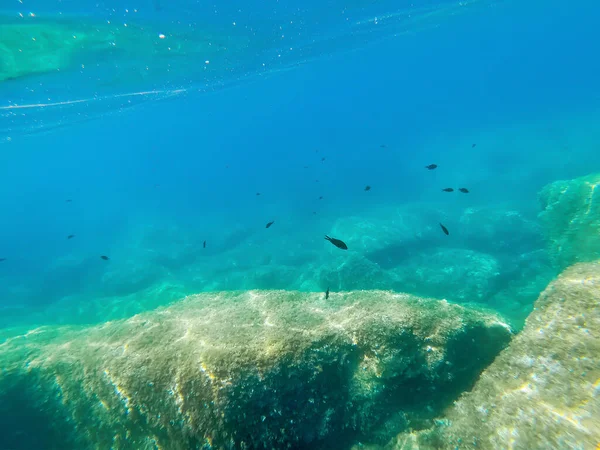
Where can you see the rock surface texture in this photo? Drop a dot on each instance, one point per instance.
(244, 370)
(571, 220)
(543, 391)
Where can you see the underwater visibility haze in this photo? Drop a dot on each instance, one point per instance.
(283, 224)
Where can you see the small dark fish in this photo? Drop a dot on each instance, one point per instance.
(382, 146)
(367, 188)
(105, 258)
(314, 212)
(257, 194)
(445, 230)
(204, 244)
(337, 242)
(448, 190)
(327, 294)
(431, 166)
(473, 146)
(69, 201)
(306, 167)
(323, 159)
(71, 236)
(270, 223)
(321, 197)
(2, 259)
(464, 190)
(316, 181)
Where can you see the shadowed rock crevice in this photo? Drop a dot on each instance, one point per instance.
(32, 417)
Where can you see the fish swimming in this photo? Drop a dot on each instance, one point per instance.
(71, 236)
(431, 166)
(327, 294)
(105, 258)
(367, 188)
(445, 230)
(337, 242)
(448, 190)
(270, 223)
(2, 259)
(473, 146)
(464, 190)
(204, 244)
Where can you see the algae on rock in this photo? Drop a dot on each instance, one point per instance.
(256, 369)
(543, 391)
(571, 219)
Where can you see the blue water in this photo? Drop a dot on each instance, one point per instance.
(150, 183)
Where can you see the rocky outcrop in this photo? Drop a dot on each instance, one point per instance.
(571, 219)
(455, 274)
(255, 369)
(543, 391)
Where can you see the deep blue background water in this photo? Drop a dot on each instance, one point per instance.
(519, 79)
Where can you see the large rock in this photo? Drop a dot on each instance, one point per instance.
(543, 391)
(455, 274)
(571, 219)
(257, 369)
(499, 231)
(353, 272)
(390, 236)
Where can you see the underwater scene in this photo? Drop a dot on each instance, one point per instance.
(299, 225)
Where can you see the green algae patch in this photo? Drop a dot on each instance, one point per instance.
(31, 46)
(571, 219)
(541, 392)
(254, 369)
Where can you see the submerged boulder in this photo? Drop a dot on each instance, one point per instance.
(499, 231)
(390, 236)
(543, 391)
(255, 369)
(571, 219)
(456, 274)
(353, 272)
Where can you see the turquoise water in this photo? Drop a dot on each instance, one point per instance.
(146, 146)
(502, 96)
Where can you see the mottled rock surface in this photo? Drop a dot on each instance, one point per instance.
(455, 274)
(255, 369)
(543, 391)
(571, 219)
(499, 231)
(390, 236)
